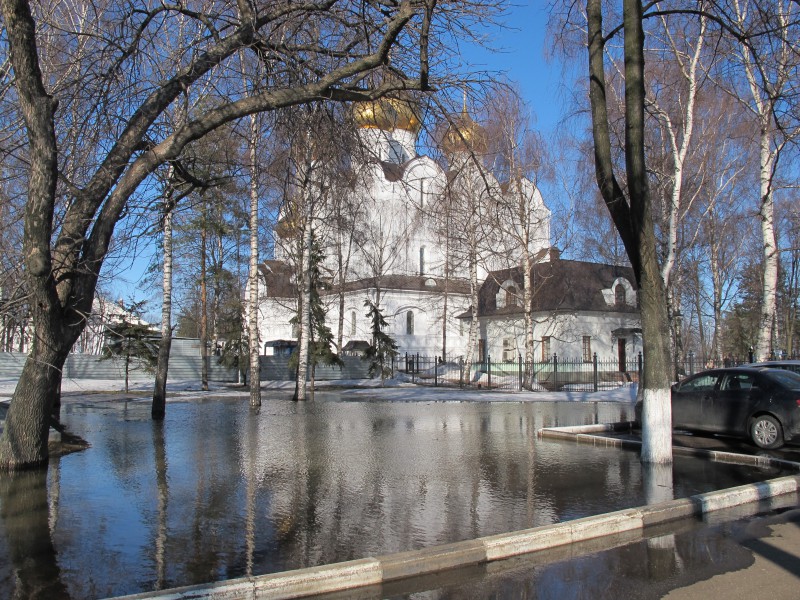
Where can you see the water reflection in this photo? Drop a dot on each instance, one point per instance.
(29, 553)
(218, 490)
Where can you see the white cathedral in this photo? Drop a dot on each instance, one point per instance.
(398, 248)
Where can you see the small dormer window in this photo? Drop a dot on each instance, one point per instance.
(511, 296)
(507, 295)
(619, 295)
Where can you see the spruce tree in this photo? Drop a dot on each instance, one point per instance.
(383, 348)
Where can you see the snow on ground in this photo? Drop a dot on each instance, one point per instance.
(358, 389)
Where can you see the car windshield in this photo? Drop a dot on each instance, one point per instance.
(787, 379)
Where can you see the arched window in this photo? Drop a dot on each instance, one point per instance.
(352, 322)
(619, 295)
(511, 296)
(397, 154)
(410, 323)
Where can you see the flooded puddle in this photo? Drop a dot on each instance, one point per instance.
(218, 491)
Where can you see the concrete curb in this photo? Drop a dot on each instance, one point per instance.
(378, 570)
(591, 434)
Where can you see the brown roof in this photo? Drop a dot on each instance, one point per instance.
(420, 283)
(558, 285)
(278, 278)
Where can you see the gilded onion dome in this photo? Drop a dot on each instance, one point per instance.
(375, 114)
(464, 135)
(408, 118)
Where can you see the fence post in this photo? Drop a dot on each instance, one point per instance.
(489, 369)
(691, 363)
(555, 372)
(519, 363)
(416, 363)
(594, 361)
(435, 371)
(461, 371)
(639, 366)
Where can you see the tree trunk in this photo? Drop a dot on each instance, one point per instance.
(304, 313)
(252, 301)
(23, 443)
(633, 219)
(769, 286)
(159, 407)
(203, 306)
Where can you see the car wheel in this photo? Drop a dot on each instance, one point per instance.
(766, 432)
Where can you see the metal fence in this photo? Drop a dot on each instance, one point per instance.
(556, 374)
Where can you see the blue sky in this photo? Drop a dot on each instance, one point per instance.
(519, 55)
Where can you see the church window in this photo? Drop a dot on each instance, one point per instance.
(511, 296)
(546, 348)
(507, 295)
(410, 323)
(352, 322)
(509, 349)
(587, 348)
(422, 260)
(619, 295)
(396, 153)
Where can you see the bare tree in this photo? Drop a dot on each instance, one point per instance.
(125, 89)
(519, 215)
(769, 63)
(632, 212)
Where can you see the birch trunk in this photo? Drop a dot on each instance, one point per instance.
(305, 310)
(252, 275)
(159, 407)
(203, 306)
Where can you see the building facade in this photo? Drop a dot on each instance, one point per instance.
(418, 241)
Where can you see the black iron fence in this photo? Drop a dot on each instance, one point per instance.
(556, 374)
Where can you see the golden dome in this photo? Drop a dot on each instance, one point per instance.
(375, 114)
(464, 135)
(288, 228)
(408, 117)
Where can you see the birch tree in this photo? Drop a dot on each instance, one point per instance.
(137, 67)
(769, 63)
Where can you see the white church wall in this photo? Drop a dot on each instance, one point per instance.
(505, 337)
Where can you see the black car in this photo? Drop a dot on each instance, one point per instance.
(788, 365)
(759, 403)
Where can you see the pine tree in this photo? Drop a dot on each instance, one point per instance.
(321, 341)
(131, 339)
(383, 347)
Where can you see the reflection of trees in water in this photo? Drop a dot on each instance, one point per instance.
(305, 484)
(25, 513)
(160, 459)
(658, 487)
